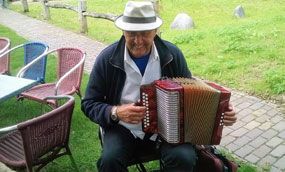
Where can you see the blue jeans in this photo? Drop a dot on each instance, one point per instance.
(120, 146)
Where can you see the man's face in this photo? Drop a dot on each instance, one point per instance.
(139, 43)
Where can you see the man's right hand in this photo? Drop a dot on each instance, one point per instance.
(131, 113)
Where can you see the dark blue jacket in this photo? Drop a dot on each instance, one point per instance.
(107, 78)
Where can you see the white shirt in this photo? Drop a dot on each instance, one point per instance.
(134, 79)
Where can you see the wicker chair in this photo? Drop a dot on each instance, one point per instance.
(69, 75)
(31, 51)
(38, 141)
(5, 60)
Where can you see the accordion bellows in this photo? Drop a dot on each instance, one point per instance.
(183, 110)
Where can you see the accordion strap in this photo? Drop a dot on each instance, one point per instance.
(158, 142)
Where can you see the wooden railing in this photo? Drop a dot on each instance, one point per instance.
(81, 9)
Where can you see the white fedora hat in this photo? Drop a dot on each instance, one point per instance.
(138, 16)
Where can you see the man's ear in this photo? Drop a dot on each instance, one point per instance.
(156, 31)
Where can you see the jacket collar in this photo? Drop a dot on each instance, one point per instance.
(164, 53)
(117, 58)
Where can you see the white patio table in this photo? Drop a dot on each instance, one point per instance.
(11, 86)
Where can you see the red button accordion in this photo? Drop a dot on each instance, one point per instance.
(183, 110)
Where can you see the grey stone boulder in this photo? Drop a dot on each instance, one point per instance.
(239, 12)
(182, 22)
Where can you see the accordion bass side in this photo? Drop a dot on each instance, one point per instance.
(183, 110)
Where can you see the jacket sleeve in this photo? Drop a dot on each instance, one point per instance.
(94, 104)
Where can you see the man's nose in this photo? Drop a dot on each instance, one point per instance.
(138, 38)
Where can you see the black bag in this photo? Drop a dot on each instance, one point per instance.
(211, 160)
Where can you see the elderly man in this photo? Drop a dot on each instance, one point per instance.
(138, 58)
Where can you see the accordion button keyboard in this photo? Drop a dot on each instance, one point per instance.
(222, 119)
(146, 122)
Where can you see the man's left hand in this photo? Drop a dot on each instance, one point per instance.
(230, 116)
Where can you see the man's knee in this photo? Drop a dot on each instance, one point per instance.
(187, 157)
(182, 157)
(111, 162)
(108, 159)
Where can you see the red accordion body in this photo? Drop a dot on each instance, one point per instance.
(183, 110)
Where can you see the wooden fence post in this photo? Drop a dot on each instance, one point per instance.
(46, 12)
(156, 9)
(25, 5)
(156, 6)
(82, 19)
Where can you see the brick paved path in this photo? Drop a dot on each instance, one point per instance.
(258, 136)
